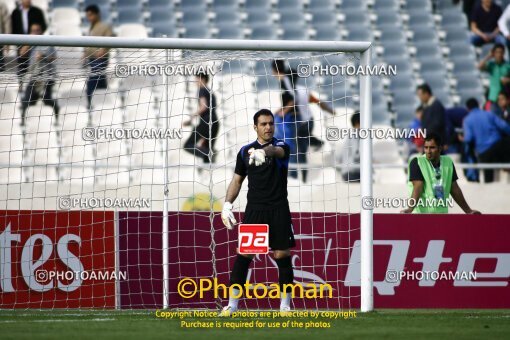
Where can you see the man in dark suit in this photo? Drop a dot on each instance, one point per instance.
(22, 18)
(433, 118)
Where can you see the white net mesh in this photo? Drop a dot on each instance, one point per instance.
(82, 167)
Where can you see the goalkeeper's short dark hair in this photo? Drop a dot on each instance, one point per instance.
(355, 119)
(263, 112)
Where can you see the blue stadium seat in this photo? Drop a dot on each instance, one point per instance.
(159, 16)
(258, 5)
(329, 5)
(464, 65)
(427, 49)
(264, 32)
(324, 18)
(465, 95)
(432, 65)
(392, 35)
(458, 34)
(131, 4)
(422, 21)
(418, 6)
(194, 18)
(394, 49)
(425, 35)
(228, 17)
(295, 33)
(99, 3)
(289, 4)
(197, 32)
(357, 19)
(468, 81)
(352, 4)
(230, 32)
(130, 16)
(387, 4)
(64, 3)
(359, 34)
(387, 17)
(225, 4)
(159, 3)
(258, 18)
(160, 29)
(402, 81)
(326, 33)
(191, 5)
(294, 16)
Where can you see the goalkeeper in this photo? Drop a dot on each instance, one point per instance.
(265, 162)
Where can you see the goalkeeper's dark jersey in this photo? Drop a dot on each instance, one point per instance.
(267, 183)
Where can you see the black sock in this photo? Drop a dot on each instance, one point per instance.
(240, 270)
(285, 272)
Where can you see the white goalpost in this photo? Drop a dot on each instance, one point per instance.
(110, 196)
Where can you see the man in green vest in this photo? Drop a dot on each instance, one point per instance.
(432, 180)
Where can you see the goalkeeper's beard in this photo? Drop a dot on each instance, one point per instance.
(266, 137)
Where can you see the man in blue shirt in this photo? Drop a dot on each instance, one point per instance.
(488, 134)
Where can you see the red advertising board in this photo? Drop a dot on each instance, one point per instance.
(63, 259)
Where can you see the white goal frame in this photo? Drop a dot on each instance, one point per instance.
(365, 50)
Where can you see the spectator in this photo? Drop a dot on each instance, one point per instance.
(433, 118)
(203, 137)
(415, 126)
(503, 25)
(97, 58)
(432, 179)
(288, 116)
(484, 23)
(502, 109)
(22, 19)
(5, 28)
(350, 154)
(454, 118)
(499, 71)
(304, 98)
(42, 71)
(488, 135)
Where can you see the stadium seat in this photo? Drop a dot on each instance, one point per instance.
(294, 33)
(258, 18)
(256, 6)
(129, 4)
(359, 34)
(161, 28)
(357, 19)
(425, 35)
(326, 33)
(65, 16)
(195, 19)
(386, 4)
(464, 65)
(231, 32)
(132, 30)
(159, 16)
(159, 3)
(324, 18)
(228, 18)
(352, 4)
(388, 18)
(194, 5)
(233, 4)
(393, 35)
(129, 16)
(68, 30)
(197, 32)
(265, 32)
(284, 5)
(329, 5)
(418, 6)
(64, 3)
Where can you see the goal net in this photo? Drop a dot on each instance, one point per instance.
(113, 176)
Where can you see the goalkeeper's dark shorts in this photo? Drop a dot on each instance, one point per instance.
(281, 233)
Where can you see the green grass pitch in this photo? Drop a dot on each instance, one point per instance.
(385, 324)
